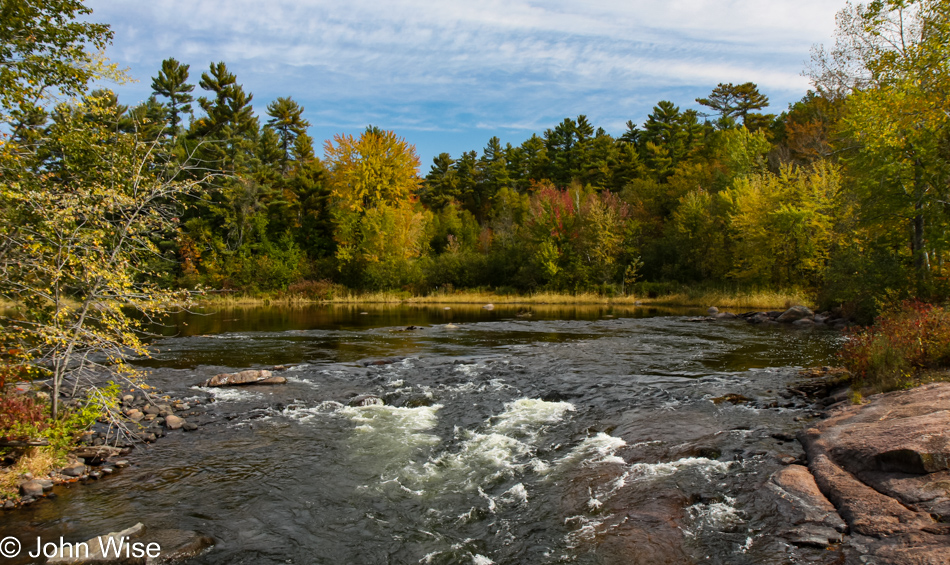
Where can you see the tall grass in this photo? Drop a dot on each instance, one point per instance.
(721, 298)
(322, 292)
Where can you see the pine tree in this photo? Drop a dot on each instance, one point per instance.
(287, 120)
(172, 83)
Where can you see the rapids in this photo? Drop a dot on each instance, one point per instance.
(581, 436)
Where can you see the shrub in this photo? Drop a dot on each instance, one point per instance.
(900, 347)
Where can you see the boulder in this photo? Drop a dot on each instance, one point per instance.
(249, 377)
(759, 318)
(174, 422)
(74, 469)
(31, 488)
(795, 313)
(177, 545)
(712, 310)
(172, 546)
(725, 316)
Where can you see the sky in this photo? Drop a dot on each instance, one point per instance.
(448, 75)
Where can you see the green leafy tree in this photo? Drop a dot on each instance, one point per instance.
(45, 50)
(80, 213)
(889, 61)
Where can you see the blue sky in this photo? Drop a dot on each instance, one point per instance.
(447, 75)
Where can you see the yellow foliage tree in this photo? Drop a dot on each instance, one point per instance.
(373, 181)
(782, 224)
(376, 168)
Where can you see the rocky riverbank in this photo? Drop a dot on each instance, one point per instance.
(795, 316)
(143, 417)
(877, 483)
(885, 467)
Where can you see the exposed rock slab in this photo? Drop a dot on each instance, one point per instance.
(884, 466)
(817, 522)
(242, 378)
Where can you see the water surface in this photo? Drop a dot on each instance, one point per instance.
(573, 435)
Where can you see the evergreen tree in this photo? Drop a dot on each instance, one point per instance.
(733, 101)
(172, 83)
(287, 119)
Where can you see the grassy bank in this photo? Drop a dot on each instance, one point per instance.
(736, 299)
(679, 296)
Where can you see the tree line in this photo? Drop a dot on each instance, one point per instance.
(843, 193)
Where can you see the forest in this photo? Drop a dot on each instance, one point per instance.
(843, 194)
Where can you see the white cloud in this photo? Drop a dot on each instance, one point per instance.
(493, 61)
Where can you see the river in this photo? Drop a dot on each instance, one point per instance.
(576, 435)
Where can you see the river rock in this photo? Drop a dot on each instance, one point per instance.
(884, 466)
(95, 455)
(74, 469)
(725, 316)
(173, 422)
(712, 310)
(759, 318)
(489, 306)
(31, 488)
(366, 400)
(249, 377)
(135, 415)
(177, 545)
(795, 313)
(152, 409)
(72, 556)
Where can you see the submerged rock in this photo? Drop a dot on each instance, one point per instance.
(249, 377)
(154, 547)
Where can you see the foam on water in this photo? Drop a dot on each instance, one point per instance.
(595, 450)
(528, 416)
(641, 471)
(713, 517)
(503, 449)
(224, 394)
(304, 414)
(298, 380)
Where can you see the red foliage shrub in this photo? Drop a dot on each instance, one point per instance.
(893, 352)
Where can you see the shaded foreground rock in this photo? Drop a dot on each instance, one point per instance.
(816, 522)
(249, 377)
(884, 467)
(154, 547)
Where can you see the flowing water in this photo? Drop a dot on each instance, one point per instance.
(585, 435)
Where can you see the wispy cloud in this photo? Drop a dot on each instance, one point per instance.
(450, 66)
